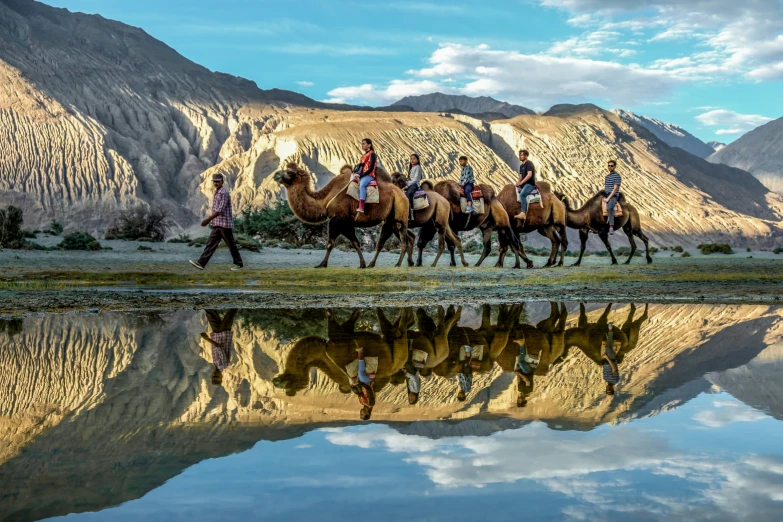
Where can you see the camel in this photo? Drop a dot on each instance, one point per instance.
(589, 218)
(493, 218)
(333, 204)
(549, 221)
(589, 336)
(432, 338)
(331, 355)
(435, 217)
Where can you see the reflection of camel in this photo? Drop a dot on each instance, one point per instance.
(431, 338)
(334, 204)
(588, 337)
(332, 355)
(545, 340)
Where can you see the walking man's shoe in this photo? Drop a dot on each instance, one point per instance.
(237, 267)
(196, 264)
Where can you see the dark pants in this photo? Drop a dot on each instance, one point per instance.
(468, 189)
(522, 193)
(227, 235)
(221, 325)
(410, 191)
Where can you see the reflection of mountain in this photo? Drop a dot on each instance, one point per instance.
(120, 404)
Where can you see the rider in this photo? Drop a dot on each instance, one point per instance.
(414, 180)
(609, 361)
(366, 170)
(364, 388)
(467, 180)
(524, 367)
(526, 183)
(612, 192)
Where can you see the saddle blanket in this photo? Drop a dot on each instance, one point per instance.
(618, 211)
(420, 200)
(616, 344)
(476, 192)
(372, 190)
(478, 204)
(534, 197)
(371, 366)
(476, 352)
(419, 358)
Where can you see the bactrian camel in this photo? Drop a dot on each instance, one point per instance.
(433, 219)
(548, 218)
(493, 218)
(334, 204)
(590, 218)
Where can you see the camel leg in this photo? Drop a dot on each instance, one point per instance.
(486, 238)
(549, 233)
(386, 232)
(561, 232)
(629, 233)
(604, 319)
(502, 251)
(441, 245)
(582, 246)
(520, 250)
(604, 235)
(333, 232)
(411, 244)
(450, 244)
(582, 316)
(426, 233)
(638, 233)
(454, 238)
(403, 242)
(349, 231)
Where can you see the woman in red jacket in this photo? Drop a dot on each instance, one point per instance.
(366, 169)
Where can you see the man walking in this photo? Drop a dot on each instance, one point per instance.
(526, 183)
(222, 220)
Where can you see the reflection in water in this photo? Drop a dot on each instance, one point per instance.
(98, 410)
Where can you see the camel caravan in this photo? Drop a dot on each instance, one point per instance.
(367, 195)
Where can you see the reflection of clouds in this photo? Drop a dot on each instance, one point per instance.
(727, 412)
(597, 469)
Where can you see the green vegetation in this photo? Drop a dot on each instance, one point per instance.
(79, 241)
(777, 250)
(277, 222)
(677, 249)
(11, 234)
(54, 228)
(715, 248)
(143, 248)
(140, 223)
(685, 254)
(182, 238)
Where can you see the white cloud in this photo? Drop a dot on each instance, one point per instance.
(731, 122)
(537, 80)
(724, 412)
(305, 83)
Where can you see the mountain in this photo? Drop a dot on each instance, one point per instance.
(671, 134)
(439, 102)
(760, 152)
(98, 116)
(716, 145)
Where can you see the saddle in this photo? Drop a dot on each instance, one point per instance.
(618, 211)
(419, 358)
(534, 197)
(373, 195)
(352, 369)
(478, 199)
(420, 200)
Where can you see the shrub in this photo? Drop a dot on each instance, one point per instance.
(777, 250)
(715, 248)
(278, 222)
(11, 234)
(54, 228)
(29, 234)
(677, 249)
(747, 249)
(143, 248)
(625, 251)
(664, 248)
(685, 254)
(182, 238)
(79, 241)
(140, 223)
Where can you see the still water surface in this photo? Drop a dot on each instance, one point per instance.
(251, 414)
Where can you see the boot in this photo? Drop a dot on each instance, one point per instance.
(410, 215)
(521, 216)
(361, 206)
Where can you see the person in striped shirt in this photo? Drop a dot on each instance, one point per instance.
(467, 180)
(612, 192)
(222, 222)
(609, 361)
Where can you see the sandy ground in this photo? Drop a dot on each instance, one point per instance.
(125, 278)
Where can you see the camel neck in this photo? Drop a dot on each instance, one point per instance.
(577, 218)
(305, 205)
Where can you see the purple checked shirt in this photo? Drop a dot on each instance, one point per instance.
(222, 205)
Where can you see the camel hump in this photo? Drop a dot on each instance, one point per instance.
(543, 186)
(382, 174)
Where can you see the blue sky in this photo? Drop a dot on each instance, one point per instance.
(713, 67)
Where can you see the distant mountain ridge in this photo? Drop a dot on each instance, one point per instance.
(439, 102)
(672, 135)
(760, 152)
(716, 145)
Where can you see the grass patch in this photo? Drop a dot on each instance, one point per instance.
(182, 238)
(715, 248)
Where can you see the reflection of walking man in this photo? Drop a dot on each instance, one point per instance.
(222, 221)
(221, 339)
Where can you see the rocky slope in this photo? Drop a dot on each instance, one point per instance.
(760, 152)
(439, 102)
(98, 116)
(672, 135)
(716, 145)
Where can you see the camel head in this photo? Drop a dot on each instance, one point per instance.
(562, 197)
(291, 175)
(399, 180)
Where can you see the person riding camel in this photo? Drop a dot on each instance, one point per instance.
(524, 367)
(414, 180)
(467, 180)
(526, 183)
(364, 388)
(609, 361)
(366, 171)
(612, 192)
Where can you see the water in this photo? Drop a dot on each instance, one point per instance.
(129, 416)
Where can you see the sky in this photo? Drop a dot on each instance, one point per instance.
(714, 67)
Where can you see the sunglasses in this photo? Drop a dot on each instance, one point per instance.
(612, 166)
(216, 182)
